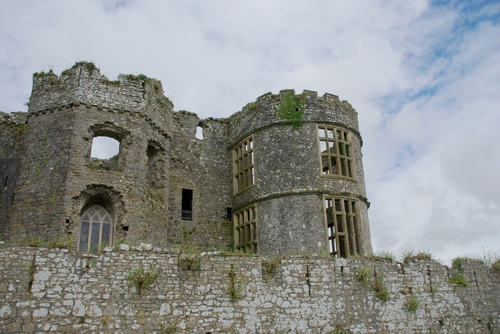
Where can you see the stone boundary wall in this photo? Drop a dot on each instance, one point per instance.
(55, 290)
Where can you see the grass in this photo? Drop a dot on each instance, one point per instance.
(381, 291)
(382, 256)
(272, 264)
(458, 279)
(142, 279)
(411, 304)
(496, 266)
(363, 275)
(420, 255)
(291, 110)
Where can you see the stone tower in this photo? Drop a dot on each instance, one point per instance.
(298, 177)
(59, 181)
(284, 175)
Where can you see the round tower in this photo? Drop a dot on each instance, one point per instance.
(298, 176)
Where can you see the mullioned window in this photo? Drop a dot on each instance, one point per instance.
(342, 219)
(246, 229)
(336, 151)
(243, 165)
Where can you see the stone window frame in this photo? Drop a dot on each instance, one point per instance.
(112, 131)
(187, 214)
(101, 217)
(335, 149)
(243, 165)
(246, 229)
(343, 226)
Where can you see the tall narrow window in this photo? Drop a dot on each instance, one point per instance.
(344, 237)
(187, 204)
(245, 230)
(95, 230)
(336, 151)
(243, 165)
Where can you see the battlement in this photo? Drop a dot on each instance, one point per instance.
(263, 112)
(83, 83)
(15, 118)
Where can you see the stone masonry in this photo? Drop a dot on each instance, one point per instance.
(61, 291)
(256, 181)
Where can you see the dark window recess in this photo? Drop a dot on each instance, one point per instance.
(5, 182)
(229, 214)
(187, 204)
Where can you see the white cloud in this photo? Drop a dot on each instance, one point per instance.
(423, 77)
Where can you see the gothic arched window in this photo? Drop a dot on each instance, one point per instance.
(96, 230)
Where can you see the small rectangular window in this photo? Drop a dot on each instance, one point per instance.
(187, 204)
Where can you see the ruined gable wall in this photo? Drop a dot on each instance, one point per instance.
(12, 128)
(204, 166)
(55, 290)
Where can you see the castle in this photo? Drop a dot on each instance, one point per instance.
(280, 183)
(282, 176)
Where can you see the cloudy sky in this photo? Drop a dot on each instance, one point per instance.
(423, 75)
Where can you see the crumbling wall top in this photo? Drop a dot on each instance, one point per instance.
(84, 83)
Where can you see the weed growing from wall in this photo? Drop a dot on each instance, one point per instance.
(168, 327)
(363, 275)
(381, 291)
(142, 279)
(496, 266)
(420, 255)
(458, 278)
(339, 329)
(271, 265)
(291, 110)
(236, 291)
(411, 304)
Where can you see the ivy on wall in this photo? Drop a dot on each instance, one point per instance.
(291, 110)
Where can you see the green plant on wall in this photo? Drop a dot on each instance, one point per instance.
(236, 291)
(411, 304)
(459, 278)
(142, 279)
(363, 275)
(291, 110)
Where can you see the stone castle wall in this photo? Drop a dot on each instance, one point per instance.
(50, 178)
(55, 290)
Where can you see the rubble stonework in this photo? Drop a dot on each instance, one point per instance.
(258, 181)
(60, 291)
(50, 179)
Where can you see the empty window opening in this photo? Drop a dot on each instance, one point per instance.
(229, 214)
(104, 147)
(187, 204)
(246, 230)
(5, 182)
(243, 165)
(96, 229)
(336, 151)
(199, 132)
(344, 237)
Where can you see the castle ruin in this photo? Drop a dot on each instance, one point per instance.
(280, 183)
(282, 176)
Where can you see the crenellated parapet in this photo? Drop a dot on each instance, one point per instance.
(263, 112)
(83, 84)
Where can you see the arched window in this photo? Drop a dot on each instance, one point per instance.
(96, 229)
